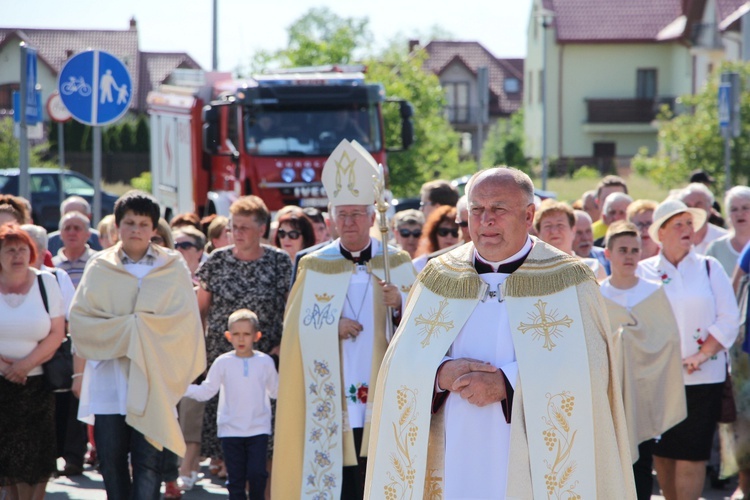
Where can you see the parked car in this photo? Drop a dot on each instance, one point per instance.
(45, 192)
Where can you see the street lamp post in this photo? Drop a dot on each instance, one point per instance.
(546, 20)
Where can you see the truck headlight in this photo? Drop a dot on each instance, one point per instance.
(308, 174)
(288, 174)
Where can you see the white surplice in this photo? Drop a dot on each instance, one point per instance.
(476, 455)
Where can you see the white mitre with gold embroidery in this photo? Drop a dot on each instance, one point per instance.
(349, 175)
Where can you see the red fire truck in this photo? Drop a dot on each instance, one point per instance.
(218, 138)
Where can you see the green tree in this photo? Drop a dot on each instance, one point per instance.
(127, 137)
(692, 140)
(504, 144)
(142, 135)
(10, 149)
(435, 152)
(321, 36)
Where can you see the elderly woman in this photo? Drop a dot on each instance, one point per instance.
(407, 230)
(726, 249)
(641, 213)
(32, 326)
(703, 303)
(246, 275)
(554, 222)
(439, 232)
(295, 233)
(218, 234)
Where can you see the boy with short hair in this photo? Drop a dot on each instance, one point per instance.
(135, 320)
(246, 380)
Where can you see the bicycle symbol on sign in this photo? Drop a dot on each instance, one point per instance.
(74, 85)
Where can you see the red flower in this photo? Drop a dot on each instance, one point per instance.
(362, 393)
(664, 276)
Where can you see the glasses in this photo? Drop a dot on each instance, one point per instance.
(463, 223)
(292, 235)
(353, 215)
(157, 239)
(445, 231)
(184, 245)
(405, 233)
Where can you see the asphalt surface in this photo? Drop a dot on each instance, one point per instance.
(89, 486)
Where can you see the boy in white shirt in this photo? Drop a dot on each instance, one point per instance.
(246, 380)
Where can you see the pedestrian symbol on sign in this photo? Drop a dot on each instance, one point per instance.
(96, 87)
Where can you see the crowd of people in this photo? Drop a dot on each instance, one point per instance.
(304, 357)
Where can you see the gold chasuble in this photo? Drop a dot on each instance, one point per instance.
(568, 437)
(649, 363)
(313, 438)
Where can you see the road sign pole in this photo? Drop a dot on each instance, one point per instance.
(727, 164)
(23, 179)
(97, 174)
(61, 158)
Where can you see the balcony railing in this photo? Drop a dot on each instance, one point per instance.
(625, 110)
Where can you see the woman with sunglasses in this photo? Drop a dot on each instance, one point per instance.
(439, 233)
(295, 233)
(407, 230)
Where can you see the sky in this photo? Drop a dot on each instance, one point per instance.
(246, 26)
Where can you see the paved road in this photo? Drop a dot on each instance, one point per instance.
(90, 487)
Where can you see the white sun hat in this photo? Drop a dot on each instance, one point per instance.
(668, 209)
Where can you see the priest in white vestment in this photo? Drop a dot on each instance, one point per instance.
(450, 417)
(334, 339)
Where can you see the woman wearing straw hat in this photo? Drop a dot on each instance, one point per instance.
(703, 303)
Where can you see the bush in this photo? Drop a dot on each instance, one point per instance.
(586, 172)
(142, 182)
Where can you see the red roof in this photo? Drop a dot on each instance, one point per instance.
(442, 53)
(613, 20)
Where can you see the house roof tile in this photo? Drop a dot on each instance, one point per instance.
(473, 55)
(613, 20)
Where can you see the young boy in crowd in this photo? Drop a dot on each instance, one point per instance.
(246, 380)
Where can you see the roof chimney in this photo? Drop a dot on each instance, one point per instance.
(413, 44)
(132, 23)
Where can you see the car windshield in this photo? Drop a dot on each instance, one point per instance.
(310, 131)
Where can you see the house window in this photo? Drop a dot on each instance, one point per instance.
(604, 156)
(457, 96)
(6, 95)
(645, 84)
(511, 85)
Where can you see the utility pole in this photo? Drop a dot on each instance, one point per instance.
(215, 55)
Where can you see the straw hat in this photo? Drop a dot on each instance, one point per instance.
(668, 209)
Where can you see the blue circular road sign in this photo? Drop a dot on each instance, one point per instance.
(96, 87)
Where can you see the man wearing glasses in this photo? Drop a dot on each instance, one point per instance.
(335, 335)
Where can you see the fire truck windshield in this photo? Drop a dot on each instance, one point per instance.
(288, 131)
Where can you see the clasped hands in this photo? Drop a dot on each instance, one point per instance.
(476, 381)
(14, 370)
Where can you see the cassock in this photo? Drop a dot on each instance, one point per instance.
(560, 434)
(325, 382)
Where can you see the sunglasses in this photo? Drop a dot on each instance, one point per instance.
(184, 245)
(405, 233)
(463, 223)
(292, 235)
(444, 231)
